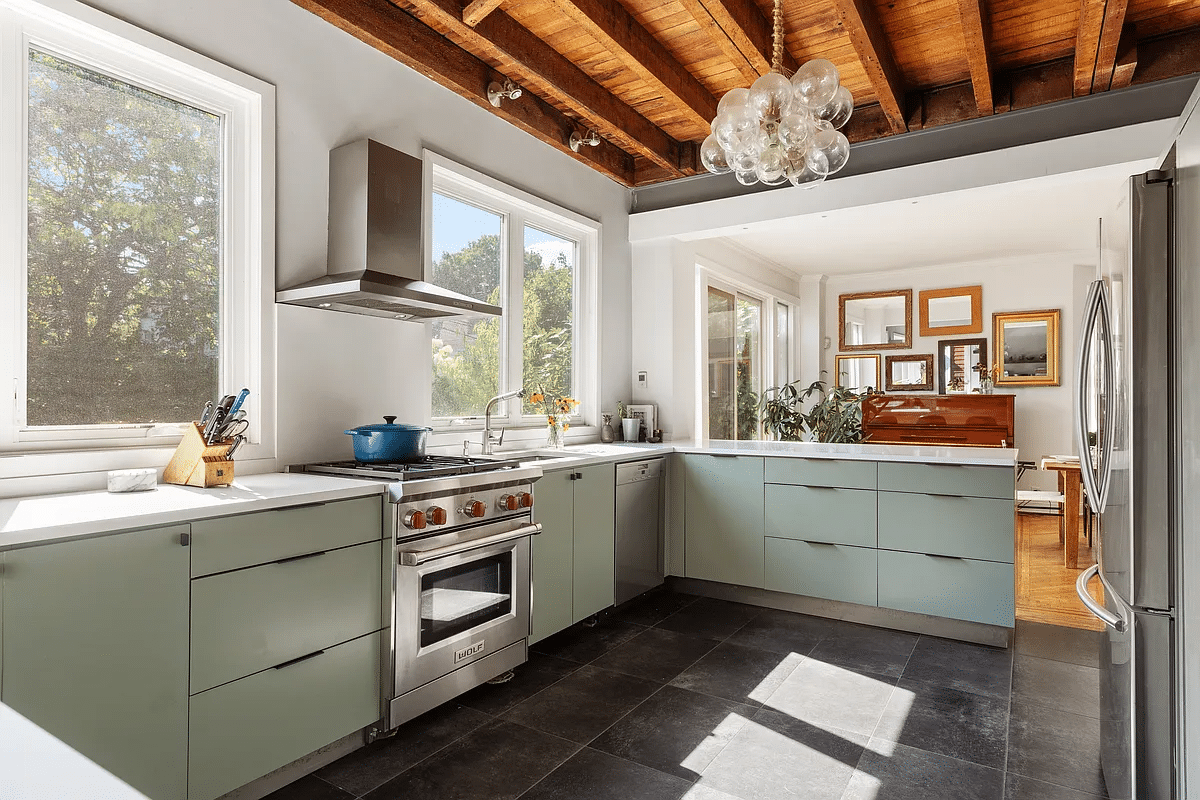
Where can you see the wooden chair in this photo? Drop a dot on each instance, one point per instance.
(1031, 501)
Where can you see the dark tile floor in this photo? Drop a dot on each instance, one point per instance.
(674, 696)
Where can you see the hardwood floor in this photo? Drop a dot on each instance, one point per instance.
(1045, 588)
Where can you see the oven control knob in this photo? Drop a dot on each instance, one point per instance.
(414, 520)
(509, 502)
(436, 515)
(526, 499)
(474, 509)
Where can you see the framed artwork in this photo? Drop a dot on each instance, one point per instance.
(857, 372)
(646, 413)
(951, 312)
(909, 373)
(875, 320)
(1026, 344)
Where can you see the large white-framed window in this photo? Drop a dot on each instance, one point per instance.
(537, 261)
(746, 347)
(136, 238)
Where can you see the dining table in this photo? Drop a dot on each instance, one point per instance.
(1070, 485)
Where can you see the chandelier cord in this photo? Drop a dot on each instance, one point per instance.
(777, 50)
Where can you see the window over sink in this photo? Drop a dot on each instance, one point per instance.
(136, 211)
(535, 260)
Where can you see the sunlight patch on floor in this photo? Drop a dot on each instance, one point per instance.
(704, 752)
(769, 684)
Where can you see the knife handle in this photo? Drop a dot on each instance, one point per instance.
(241, 398)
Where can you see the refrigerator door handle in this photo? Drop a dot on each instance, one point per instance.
(1091, 310)
(1100, 612)
(1110, 396)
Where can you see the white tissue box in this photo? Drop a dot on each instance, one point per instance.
(132, 480)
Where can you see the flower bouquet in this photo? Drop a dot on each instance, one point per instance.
(558, 416)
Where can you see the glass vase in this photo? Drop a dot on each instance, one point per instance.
(555, 436)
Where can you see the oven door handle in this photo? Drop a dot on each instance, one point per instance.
(415, 558)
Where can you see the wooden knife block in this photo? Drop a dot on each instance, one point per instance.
(198, 464)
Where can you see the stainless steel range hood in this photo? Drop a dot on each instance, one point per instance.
(376, 255)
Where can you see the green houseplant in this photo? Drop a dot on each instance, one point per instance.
(835, 417)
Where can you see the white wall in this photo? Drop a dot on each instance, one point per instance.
(335, 370)
(1043, 413)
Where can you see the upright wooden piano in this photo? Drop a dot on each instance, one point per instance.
(975, 420)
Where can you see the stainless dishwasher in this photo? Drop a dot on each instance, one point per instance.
(639, 563)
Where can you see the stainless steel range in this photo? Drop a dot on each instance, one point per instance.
(460, 600)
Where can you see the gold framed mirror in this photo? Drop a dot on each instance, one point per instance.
(857, 373)
(875, 320)
(909, 373)
(1026, 347)
(951, 312)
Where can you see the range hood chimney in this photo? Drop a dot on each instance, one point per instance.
(376, 255)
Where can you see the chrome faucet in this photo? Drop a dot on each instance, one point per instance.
(488, 440)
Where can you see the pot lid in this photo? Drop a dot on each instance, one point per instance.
(387, 426)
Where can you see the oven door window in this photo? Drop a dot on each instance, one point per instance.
(465, 596)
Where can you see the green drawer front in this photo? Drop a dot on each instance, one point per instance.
(829, 571)
(958, 588)
(220, 545)
(252, 619)
(821, 514)
(948, 479)
(821, 472)
(243, 730)
(970, 527)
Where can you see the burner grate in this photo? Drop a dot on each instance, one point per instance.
(428, 467)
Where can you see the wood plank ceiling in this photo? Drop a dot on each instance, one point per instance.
(646, 75)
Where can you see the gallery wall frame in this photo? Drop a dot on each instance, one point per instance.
(892, 384)
(1026, 345)
(972, 295)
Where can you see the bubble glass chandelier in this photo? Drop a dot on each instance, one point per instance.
(782, 130)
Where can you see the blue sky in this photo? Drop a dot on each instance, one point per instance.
(456, 224)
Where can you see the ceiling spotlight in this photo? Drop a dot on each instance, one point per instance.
(591, 139)
(507, 90)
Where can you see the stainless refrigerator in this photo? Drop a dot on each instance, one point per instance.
(1126, 435)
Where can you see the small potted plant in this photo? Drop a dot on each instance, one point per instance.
(630, 426)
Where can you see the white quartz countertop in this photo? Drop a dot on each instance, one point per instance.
(36, 766)
(582, 455)
(27, 521)
(919, 454)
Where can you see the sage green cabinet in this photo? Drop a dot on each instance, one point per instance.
(958, 588)
(574, 555)
(247, 728)
(821, 569)
(821, 514)
(254, 618)
(229, 543)
(949, 479)
(553, 554)
(96, 650)
(595, 541)
(724, 519)
(970, 527)
(821, 472)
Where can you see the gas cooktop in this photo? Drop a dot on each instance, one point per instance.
(428, 467)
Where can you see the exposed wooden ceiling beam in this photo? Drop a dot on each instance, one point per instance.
(619, 33)
(500, 37)
(739, 28)
(1096, 41)
(476, 10)
(870, 42)
(973, 16)
(1127, 59)
(411, 42)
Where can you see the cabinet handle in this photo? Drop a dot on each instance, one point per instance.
(576, 476)
(948, 558)
(723, 455)
(300, 558)
(302, 506)
(185, 539)
(298, 660)
(823, 544)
